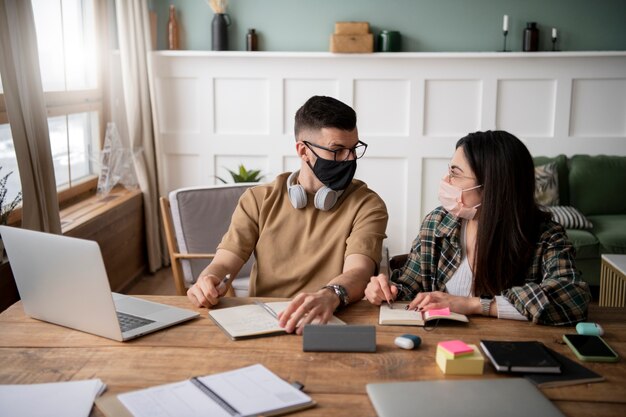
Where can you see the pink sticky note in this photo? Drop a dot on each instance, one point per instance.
(456, 347)
(439, 312)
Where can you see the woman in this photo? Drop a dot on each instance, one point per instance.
(490, 250)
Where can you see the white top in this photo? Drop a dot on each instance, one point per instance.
(461, 285)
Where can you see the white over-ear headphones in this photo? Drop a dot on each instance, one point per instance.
(325, 198)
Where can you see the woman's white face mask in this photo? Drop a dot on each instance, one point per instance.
(451, 198)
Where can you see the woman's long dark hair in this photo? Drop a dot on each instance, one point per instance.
(509, 219)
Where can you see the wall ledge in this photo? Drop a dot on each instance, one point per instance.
(388, 55)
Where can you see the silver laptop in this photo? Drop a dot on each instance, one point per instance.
(514, 397)
(62, 280)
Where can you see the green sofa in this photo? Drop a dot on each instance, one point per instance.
(596, 186)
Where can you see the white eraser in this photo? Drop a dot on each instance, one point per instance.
(407, 341)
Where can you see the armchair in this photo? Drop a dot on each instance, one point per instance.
(195, 220)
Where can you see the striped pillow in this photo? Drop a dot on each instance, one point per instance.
(569, 217)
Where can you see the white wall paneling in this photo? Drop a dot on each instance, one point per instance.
(297, 92)
(215, 110)
(599, 107)
(526, 107)
(452, 107)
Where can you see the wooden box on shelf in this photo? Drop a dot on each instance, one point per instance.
(352, 37)
(352, 28)
(352, 43)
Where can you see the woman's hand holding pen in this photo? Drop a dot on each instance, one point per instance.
(207, 290)
(380, 290)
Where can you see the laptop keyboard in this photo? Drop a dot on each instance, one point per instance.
(130, 322)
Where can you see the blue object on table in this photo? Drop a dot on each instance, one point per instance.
(590, 329)
(408, 341)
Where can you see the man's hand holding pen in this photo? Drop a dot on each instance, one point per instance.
(208, 289)
(381, 289)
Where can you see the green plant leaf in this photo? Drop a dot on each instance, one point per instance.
(244, 175)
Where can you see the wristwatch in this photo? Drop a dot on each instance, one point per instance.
(485, 302)
(340, 292)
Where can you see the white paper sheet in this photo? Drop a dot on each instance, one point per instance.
(68, 399)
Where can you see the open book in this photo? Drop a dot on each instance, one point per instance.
(250, 391)
(398, 316)
(253, 320)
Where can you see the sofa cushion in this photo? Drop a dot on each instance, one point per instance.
(586, 244)
(569, 217)
(562, 169)
(610, 230)
(597, 184)
(547, 185)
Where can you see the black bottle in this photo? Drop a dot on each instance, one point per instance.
(251, 40)
(531, 38)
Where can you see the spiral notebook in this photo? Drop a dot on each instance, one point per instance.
(218, 395)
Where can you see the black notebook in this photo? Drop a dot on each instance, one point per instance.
(572, 373)
(515, 356)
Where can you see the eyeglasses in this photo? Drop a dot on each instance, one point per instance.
(453, 175)
(341, 154)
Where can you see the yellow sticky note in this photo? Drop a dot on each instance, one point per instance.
(466, 365)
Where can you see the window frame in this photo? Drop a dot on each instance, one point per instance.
(65, 103)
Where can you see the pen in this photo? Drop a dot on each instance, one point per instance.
(390, 303)
(223, 283)
(399, 287)
(266, 308)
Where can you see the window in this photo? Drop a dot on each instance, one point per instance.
(68, 60)
(66, 40)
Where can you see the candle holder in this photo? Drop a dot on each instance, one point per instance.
(504, 32)
(554, 41)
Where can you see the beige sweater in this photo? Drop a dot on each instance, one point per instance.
(300, 250)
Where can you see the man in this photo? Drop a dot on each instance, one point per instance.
(316, 233)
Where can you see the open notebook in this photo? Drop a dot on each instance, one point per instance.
(253, 320)
(250, 391)
(398, 316)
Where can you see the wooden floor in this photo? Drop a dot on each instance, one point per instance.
(160, 283)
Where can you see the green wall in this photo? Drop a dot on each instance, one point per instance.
(426, 25)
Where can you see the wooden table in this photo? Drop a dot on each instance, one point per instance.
(32, 351)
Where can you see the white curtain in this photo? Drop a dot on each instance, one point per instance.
(24, 99)
(133, 28)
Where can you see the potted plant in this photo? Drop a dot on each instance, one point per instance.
(244, 175)
(6, 208)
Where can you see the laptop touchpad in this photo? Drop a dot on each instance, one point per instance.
(136, 306)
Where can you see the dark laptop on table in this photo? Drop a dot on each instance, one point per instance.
(62, 280)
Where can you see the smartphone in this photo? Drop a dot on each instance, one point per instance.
(590, 348)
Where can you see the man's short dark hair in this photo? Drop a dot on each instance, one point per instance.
(321, 111)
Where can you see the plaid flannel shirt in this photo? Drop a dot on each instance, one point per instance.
(553, 292)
